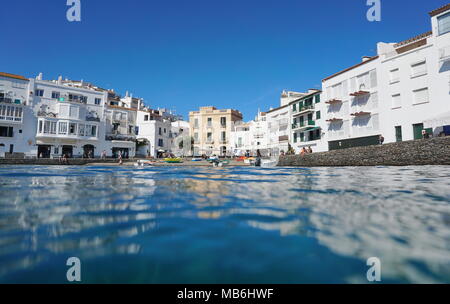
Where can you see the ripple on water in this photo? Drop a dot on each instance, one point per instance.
(233, 224)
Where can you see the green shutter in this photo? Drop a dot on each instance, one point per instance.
(317, 115)
(317, 98)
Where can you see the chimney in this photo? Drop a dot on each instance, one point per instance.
(60, 80)
(39, 77)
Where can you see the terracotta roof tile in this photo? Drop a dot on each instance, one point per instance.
(351, 68)
(440, 10)
(12, 76)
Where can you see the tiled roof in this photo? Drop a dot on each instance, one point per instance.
(440, 10)
(12, 76)
(421, 36)
(351, 68)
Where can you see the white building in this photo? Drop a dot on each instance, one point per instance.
(69, 120)
(154, 135)
(307, 122)
(251, 136)
(279, 124)
(14, 113)
(394, 93)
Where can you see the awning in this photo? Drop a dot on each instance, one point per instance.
(438, 121)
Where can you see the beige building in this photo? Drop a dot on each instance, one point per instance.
(211, 130)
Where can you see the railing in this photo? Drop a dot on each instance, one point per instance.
(118, 136)
(304, 124)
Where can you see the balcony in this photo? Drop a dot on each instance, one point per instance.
(334, 119)
(11, 101)
(359, 93)
(283, 138)
(304, 110)
(333, 101)
(115, 135)
(361, 113)
(304, 125)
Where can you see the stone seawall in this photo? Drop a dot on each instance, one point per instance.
(435, 151)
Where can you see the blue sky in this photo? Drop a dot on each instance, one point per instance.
(185, 54)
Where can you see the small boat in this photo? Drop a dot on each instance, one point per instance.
(222, 163)
(269, 163)
(173, 160)
(249, 160)
(197, 159)
(143, 163)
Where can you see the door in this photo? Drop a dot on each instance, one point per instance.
(68, 151)
(398, 134)
(11, 149)
(44, 151)
(417, 130)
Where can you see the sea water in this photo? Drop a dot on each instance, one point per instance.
(224, 225)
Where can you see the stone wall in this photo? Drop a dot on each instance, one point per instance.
(435, 151)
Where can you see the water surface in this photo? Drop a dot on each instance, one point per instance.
(224, 225)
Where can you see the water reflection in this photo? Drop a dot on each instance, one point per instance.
(190, 215)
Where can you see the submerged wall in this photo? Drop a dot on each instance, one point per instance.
(435, 151)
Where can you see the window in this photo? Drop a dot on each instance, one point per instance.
(195, 137)
(165, 131)
(46, 127)
(394, 76)
(62, 128)
(295, 137)
(39, 93)
(160, 143)
(6, 131)
(160, 131)
(53, 127)
(98, 101)
(196, 123)
(223, 121)
(209, 137)
(444, 24)
(420, 96)
(419, 69)
(209, 122)
(81, 129)
(56, 95)
(318, 114)
(294, 107)
(396, 101)
(145, 117)
(72, 129)
(224, 136)
(94, 131)
(317, 98)
(73, 112)
(398, 134)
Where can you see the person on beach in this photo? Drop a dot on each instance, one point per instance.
(425, 134)
(64, 159)
(381, 139)
(303, 152)
(310, 151)
(120, 158)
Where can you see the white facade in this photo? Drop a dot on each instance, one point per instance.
(250, 137)
(352, 102)
(307, 122)
(393, 93)
(14, 114)
(155, 134)
(68, 120)
(278, 129)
